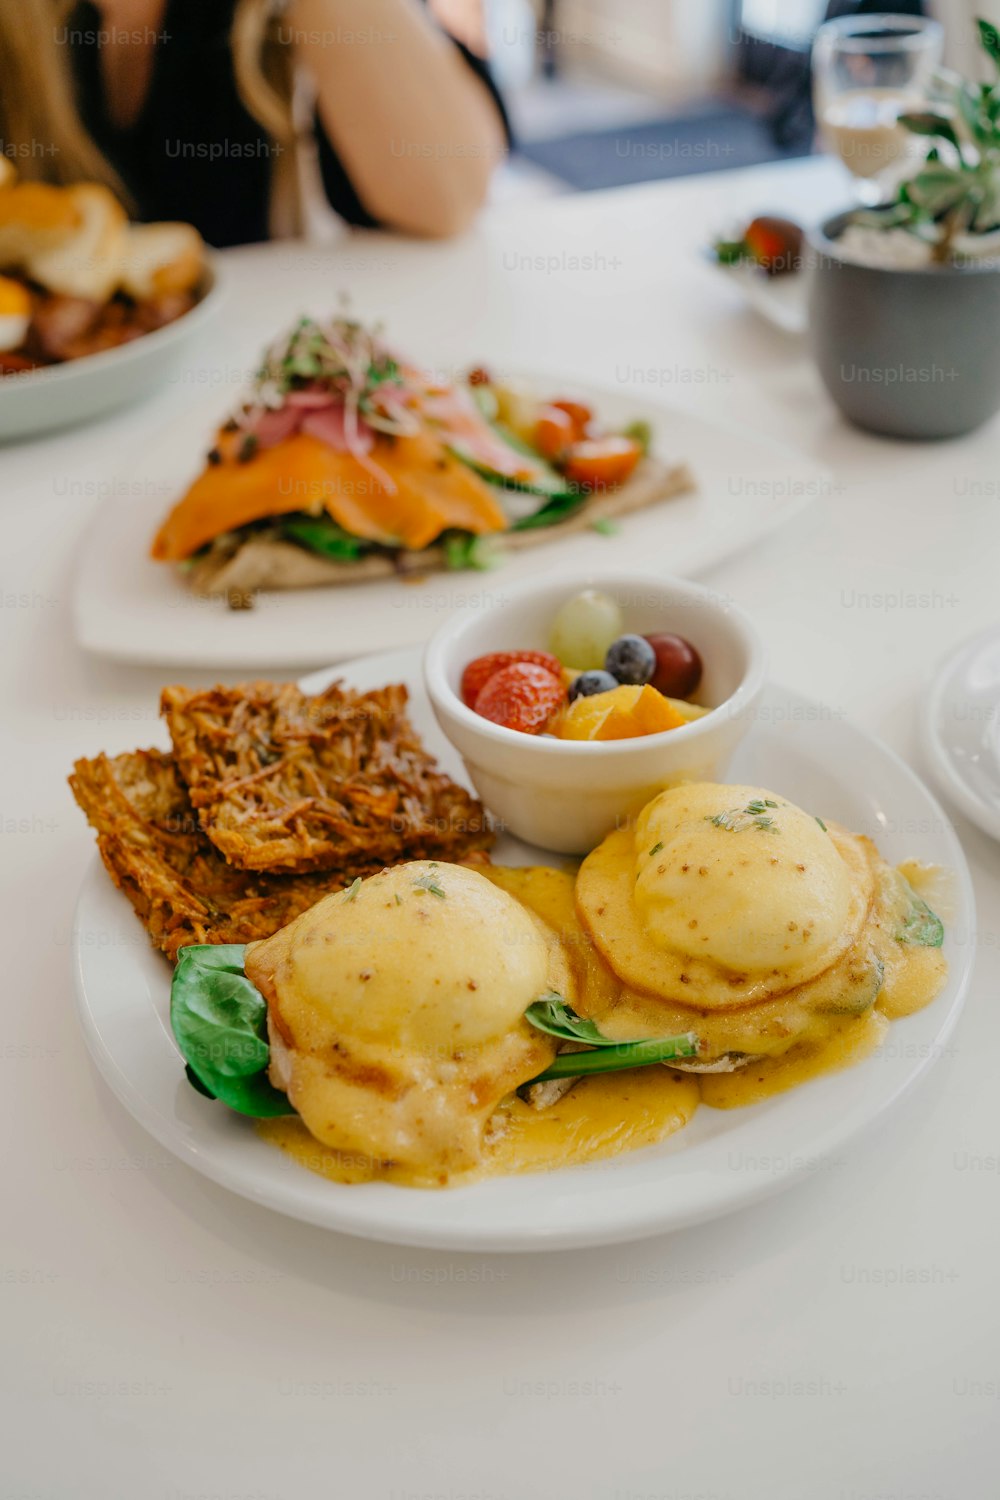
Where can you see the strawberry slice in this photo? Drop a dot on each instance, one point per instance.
(478, 673)
(523, 696)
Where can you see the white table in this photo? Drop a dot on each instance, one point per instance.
(164, 1339)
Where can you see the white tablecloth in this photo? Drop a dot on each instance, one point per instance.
(164, 1339)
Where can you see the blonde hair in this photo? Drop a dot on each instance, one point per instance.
(42, 134)
(40, 130)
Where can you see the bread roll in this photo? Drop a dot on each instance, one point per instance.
(88, 263)
(160, 259)
(34, 218)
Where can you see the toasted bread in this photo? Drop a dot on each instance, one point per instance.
(160, 259)
(88, 262)
(34, 218)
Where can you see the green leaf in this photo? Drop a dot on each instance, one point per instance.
(463, 550)
(989, 39)
(729, 252)
(938, 188)
(926, 122)
(921, 927)
(974, 115)
(640, 432)
(551, 1014)
(554, 510)
(220, 1022)
(485, 398)
(322, 534)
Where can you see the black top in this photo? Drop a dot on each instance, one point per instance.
(195, 152)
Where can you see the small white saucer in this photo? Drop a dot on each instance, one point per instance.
(960, 726)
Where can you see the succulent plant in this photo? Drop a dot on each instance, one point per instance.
(958, 192)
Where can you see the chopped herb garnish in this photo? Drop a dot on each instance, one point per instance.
(352, 890)
(604, 526)
(428, 883)
(822, 825)
(751, 816)
(655, 849)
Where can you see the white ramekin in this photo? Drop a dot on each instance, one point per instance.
(565, 795)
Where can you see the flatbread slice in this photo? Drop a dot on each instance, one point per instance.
(261, 562)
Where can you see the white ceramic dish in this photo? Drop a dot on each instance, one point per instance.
(721, 1162)
(81, 389)
(960, 727)
(566, 795)
(128, 607)
(782, 301)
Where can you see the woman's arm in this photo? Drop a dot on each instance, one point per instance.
(416, 130)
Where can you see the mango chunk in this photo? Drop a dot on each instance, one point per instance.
(623, 713)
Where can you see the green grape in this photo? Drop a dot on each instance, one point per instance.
(584, 628)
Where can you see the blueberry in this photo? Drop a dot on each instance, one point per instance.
(631, 659)
(589, 683)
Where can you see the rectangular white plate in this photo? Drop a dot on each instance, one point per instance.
(128, 607)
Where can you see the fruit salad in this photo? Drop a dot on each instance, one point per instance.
(596, 682)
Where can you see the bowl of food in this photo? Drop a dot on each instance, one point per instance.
(94, 311)
(572, 706)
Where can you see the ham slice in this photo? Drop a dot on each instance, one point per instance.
(328, 425)
(273, 427)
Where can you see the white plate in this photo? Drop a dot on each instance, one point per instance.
(128, 607)
(81, 389)
(722, 1161)
(779, 300)
(960, 723)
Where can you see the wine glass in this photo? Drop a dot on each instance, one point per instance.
(867, 71)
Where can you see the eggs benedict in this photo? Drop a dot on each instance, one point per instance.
(434, 1024)
(729, 911)
(396, 1013)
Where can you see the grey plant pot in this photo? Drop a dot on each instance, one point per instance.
(909, 354)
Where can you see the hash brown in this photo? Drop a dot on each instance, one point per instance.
(180, 886)
(283, 782)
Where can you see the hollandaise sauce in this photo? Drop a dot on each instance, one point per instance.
(607, 1114)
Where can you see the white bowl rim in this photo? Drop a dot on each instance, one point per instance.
(47, 375)
(440, 691)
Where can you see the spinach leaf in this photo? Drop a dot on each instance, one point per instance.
(322, 534)
(556, 509)
(921, 926)
(219, 1020)
(551, 1014)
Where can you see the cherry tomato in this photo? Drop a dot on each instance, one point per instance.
(478, 673)
(601, 463)
(523, 696)
(555, 432)
(581, 416)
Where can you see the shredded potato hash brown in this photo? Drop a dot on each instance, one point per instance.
(182, 889)
(285, 782)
